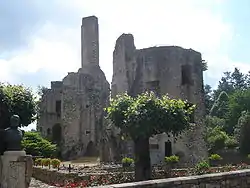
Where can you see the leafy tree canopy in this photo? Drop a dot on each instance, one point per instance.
(147, 115)
(17, 99)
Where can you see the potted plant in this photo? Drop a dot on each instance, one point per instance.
(215, 159)
(127, 162)
(171, 161)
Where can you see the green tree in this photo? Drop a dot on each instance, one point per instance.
(212, 122)
(239, 101)
(144, 116)
(225, 84)
(17, 99)
(35, 145)
(239, 80)
(231, 82)
(243, 137)
(216, 138)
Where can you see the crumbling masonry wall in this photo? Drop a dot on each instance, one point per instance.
(83, 96)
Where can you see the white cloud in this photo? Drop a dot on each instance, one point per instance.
(191, 24)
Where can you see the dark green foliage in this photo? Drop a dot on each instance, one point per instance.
(35, 145)
(244, 130)
(16, 99)
(213, 121)
(239, 102)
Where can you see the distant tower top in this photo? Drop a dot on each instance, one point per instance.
(90, 41)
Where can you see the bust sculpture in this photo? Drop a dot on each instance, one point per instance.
(13, 135)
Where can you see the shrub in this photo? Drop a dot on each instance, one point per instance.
(202, 167)
(126, 161)
(38, 161)
(248, 156)
(172, 159)
(46, 162)
(215, 157)
(35, 145)
(55, 163)
(216, 139)
(231, 143)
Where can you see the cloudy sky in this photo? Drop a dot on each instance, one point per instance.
(40, 39)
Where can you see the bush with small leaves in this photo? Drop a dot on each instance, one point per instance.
(202, 167)
(126, 162)
(231, 143)
(55, 163)
(46, 162)
(215, 157)
(172, 159)
(38, 161)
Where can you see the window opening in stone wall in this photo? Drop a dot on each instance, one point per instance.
(48, 131)
(58, 108)
(168, 149)
(56, 133)
(154, 146)
(87, 132)
(186, 75)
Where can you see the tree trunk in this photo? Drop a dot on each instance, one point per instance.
(142, 159)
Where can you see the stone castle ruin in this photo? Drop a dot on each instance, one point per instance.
(72, 110)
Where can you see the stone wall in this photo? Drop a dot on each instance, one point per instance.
(52, 176)
(235, 179)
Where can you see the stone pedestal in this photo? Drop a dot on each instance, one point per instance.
(16, 169)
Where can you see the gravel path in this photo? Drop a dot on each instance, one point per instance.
(36, 183)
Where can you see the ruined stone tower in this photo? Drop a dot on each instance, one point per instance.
(72, 110)
(90, 41)
(166, 70)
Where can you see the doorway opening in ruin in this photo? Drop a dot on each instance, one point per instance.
(90, 150)
(48, 131)
(186, 75)
(56, 133)
(168, 149)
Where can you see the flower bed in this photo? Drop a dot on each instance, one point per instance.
(60, 179)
